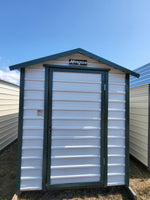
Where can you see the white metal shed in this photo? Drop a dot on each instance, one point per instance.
(9, 108)
(140, 116)
(74, 122)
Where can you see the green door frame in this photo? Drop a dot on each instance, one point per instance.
(49, 69)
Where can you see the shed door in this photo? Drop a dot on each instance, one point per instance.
(75, 100)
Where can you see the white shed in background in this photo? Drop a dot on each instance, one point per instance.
(9, 108)
(140, 116)
(74, 122)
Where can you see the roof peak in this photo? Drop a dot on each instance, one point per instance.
(71, 52)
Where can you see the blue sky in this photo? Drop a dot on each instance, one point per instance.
(117, 30)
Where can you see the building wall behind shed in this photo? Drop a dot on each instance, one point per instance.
(9, 105)
(32, 149)
(139, 123)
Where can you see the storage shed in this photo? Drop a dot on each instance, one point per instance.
(73, 122)
(9, 108)
(140, 116)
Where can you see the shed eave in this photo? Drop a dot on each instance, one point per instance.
(67, 53)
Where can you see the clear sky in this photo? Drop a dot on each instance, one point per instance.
(117, 30)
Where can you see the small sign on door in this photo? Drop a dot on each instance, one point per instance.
(39, 112)
(77, 62)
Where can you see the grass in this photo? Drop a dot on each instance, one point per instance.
(139, 181)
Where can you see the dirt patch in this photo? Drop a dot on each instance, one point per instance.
(115, 193)
(8, 171)
(139, 181)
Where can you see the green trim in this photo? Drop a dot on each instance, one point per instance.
(75, 67)
(71, 52)
(46, 107)
(20, 129)
(102, 131)
(69, 185)
(105, 127)
(49, 126)
(127, 131)
(104, 107)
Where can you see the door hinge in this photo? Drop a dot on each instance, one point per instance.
(105, 87)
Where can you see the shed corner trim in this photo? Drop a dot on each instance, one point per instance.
(20, 129)
(127, 89)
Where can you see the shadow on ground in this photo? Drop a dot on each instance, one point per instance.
(117, 193)
(139, 179)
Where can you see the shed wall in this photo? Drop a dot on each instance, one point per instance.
(31, 172)
(32, 146)
(139, 123)
(9, 105)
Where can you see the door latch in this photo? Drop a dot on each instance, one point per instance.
(49, 131)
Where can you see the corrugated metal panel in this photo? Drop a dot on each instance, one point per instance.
(76, 106)
(32, 147)
(144, 72)
(116, 129)
(139, 123)
(9, 104)
(116, 114)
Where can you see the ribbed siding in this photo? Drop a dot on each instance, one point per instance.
(75, 112)
(9, 104)
(116, 129)
(116, 118)
(32, 147)
(139, 123)
(33, 128)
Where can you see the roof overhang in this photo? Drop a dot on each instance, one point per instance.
(71, 52)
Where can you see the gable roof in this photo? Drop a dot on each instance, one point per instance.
(68, 53)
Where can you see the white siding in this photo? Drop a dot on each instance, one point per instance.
(32, 147)
(9, 104)
(33, 125)
(139, 101)
(75, 113)
(116, 129)
(116, 118)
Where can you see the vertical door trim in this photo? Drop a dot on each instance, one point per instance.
(105, 128)
(127, 130)
(46, 107)
(48, 124)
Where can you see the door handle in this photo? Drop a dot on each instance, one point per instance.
(49, 131)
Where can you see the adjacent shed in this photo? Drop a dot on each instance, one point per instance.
(140, 115)
(9, 108)
(73, 122)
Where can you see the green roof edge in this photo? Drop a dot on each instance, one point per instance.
(70, 52)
